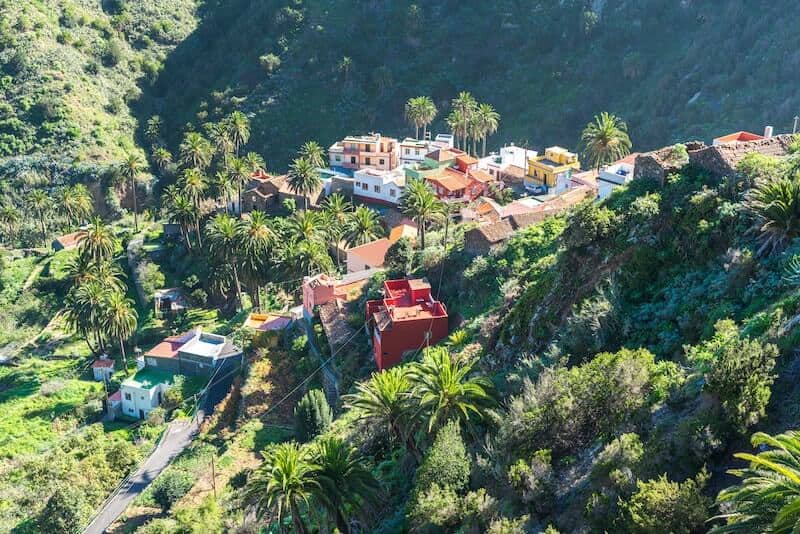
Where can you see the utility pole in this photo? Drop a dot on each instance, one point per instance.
(796, 121)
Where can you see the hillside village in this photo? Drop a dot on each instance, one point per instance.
(261, 308)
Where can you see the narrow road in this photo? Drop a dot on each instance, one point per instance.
(179, 435)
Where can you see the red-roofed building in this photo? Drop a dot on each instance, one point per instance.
(737, 137)
(103, 368)
(367, 256)
(405, 320)
(451, 184)
(69, 241)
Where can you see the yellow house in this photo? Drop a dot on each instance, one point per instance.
(547, 169)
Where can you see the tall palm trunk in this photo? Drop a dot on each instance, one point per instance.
(44, 228)
(135, 214)
(483, 149)
(416, 131)
(238, 286)
(239, 208)
(197, 230)
(124, 356)
(297, 520)
(341, 522)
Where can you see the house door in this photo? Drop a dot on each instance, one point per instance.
(141, 414)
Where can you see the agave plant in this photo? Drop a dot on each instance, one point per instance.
(775, 204)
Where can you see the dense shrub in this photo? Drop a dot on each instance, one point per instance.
(662, 506)
(446, 462)
(64, 512)
(169, 487)
(312, 416)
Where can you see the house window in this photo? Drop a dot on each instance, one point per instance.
(338, 158)
(408, 151)
(142, 397)
(127, 396)
(365, 187)
(367, 161)
(353, 160)
(358, 184)
(377, 188)
(382, 162)
(392, 192)
(416, 152)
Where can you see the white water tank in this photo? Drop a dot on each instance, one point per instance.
(768, 132)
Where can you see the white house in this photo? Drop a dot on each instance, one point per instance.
(383, 187)
(412, 151)
(618, 173)
(510, 164)
(143, 392)
(103, 368)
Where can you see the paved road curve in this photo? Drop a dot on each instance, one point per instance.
(179, 435)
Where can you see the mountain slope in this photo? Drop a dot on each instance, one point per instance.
(673, 70)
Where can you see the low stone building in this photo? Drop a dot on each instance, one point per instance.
(719, 160)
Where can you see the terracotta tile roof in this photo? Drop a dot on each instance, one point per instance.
(741, 136)
(372, 254)
(116, 396)
(496, 232)
(481, 176)
(267, 322)
(450, 179)
(72, 240)
(402, 230)
(467, 160)
(103, 363)
(169, 347)
(630, 159)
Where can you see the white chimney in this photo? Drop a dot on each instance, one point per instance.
(768, 132)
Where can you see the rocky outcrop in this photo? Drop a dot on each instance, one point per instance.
(718, 160)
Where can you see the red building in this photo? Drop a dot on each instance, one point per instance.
(406, 318)
(463, 181)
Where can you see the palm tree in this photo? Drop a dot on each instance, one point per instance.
(162, 158)
(420, 112)
(457, 124)
(305, 226)
(488, 121)
(130, 169)
(445, 390)
(83, 312)
(308, 257)
(223, 234)
(464, 107)
(313, 152)
(363, 227)
(304, 179)
(220, 136)
(768, 499)
(195, 151)
(256, 241)
(40, 204)
(194, 185)
(119, 320)
(99, 242)
(254, 162)
(180, 209)
(605, 140)
(74, 203)
(421, 204)
(238, 126)
(775, 205)
(82, 269)
(385, 397)
(286, 480)
(240, 174)
(9, 218)
(225, 188)
(344, 480)
(345, 66)
(336, 210)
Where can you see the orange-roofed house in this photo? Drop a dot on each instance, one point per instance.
(368, 256)
(453, 184)
(69, 241)
(403, 230)
(737, 137)
(405, 320)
